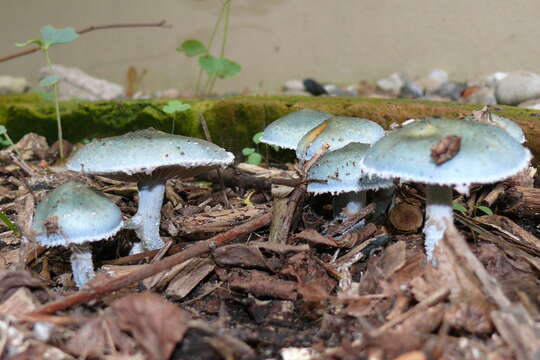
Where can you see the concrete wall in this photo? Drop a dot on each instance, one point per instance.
(277, 40)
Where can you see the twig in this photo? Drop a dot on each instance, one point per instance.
(146, 271)
(31, 50)
(220, 175)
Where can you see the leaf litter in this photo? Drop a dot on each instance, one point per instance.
(324, 293)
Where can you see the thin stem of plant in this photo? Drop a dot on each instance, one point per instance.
(227, 8)
(208, 46)
(56, 106)
(161, 24)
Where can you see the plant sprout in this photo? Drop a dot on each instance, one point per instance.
(172, 108)
(253, 156)
(7, 140)
(215, 67)
(51, 36)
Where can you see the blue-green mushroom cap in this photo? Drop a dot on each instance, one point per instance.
(341, 170)
(506, 124)
(148, 152)
(487, 154)
(74, 214)
(287, 131)
(338, 131)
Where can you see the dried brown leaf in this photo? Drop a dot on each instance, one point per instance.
(98, 337)
(259, 283)
(445, 149)
(156, 324)
(239, 255)
(10, 281)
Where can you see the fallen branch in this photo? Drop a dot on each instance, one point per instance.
(146, 271)
(31, 50)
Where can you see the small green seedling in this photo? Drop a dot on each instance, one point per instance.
(172, 108)
(253, 156)
(462, 209)
(51, 36)
(5, 140)
(11, 226)
(215, 67)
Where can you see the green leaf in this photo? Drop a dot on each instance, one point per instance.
(247, 151)
(257, 137)
(230, 68)
(49, 80)
(485, 210)
(3, 130)
(11, 226)
(219, 67)
(53, 36)
(175, 106)
(210, 64)
(39, 43)
(457, 206)
(192, 48)
(254, 159)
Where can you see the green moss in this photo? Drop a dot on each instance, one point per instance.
(232, 121)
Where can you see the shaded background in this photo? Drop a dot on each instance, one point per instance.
(277, 40)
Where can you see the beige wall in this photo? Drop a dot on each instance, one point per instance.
(277, 40)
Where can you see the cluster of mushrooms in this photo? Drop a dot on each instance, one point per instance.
(444, 154)
(74, 215)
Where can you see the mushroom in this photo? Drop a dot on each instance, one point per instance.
(340, 169)
(74, 215)
(286, 131)
(148, 157)
(445, 153)
(338, 132)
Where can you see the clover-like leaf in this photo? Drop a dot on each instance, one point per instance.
(219, 67)
(247, 151)
(254, 159)
(257, 137)
(485, 210)
(49, 80)
(38, 42)
(229, 68)
(192, 48)
(211, 64)
(52, 36)
(3, 130)
(175, 106)
(457, 206)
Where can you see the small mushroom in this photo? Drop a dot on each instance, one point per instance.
(148, 157)
(337, 132)
(486, 154)
(286, 131)
(340, 169)
(74, 215)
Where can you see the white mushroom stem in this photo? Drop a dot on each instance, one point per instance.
(438, 212)
(146, 221)
(349, 203)
(81, 263)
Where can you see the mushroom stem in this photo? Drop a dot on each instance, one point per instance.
(81, 263)
(438, 212)
(146, 221)
(349, 203)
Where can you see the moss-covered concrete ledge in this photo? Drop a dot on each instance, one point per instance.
(232, 121)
